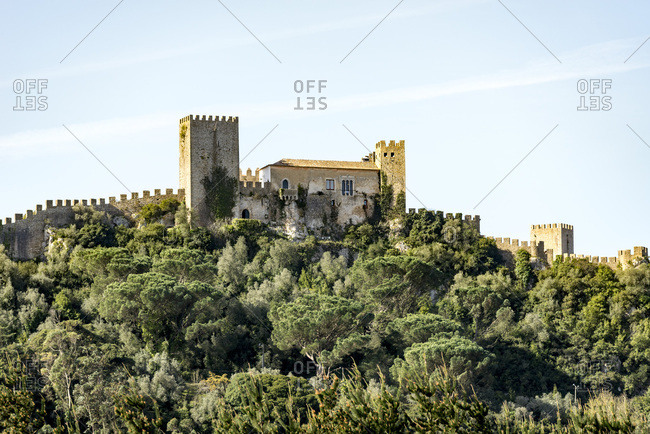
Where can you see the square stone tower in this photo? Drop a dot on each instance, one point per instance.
(208, 148)
(556, 236)
(390, 159)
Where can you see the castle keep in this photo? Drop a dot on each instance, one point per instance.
(206, 145)
(294, 196)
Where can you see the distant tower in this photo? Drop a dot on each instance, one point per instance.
(205, 145)
(556, 236)
(391, 160)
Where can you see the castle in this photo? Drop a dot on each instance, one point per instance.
(297, 197)
(549, 241)
(301, 195)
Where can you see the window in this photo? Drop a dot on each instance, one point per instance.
(285, 183)
(392, 154)
(347, 187)
(385, 154)
(245, 214)
(365, 203)
(332, 203)
(329, 184)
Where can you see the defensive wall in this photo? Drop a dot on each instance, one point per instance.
(467, 219)
(27, 235)
(509, 248)
(552, 241)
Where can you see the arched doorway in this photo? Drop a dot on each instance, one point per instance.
(245, 214)
(285, 183)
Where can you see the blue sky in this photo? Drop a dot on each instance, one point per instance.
(468, 87)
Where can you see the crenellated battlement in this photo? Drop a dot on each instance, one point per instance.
(509, 242)
(467, 219)
(625, 258)
(449, 216)
(67, 204)
(598, 260)
(555, 240)
(249, 176)
(204, 118)
(553, 226)
(246, 186)
(509, 248)
(27, 236)
(400, 144)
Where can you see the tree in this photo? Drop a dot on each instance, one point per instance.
(314, 323)
(231, 264)
(475, 301)
(19, 409)
(523, 269)
(397, 285)
(153, 302)
(467, 360)
(401, 333)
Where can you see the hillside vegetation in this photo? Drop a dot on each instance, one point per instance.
(410, 328)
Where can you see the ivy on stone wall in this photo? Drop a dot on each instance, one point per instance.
(390, 206)
(385, 197)
(153, 211)
(301, 202)
(400, 203)
(220, 190)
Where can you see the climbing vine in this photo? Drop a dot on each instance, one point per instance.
(301, 202)
(220, 191)
(183, 132)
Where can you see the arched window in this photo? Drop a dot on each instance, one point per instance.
(285, 183)
(245, 214)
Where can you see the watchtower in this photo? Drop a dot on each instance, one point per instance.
(556, 236)
(390, 159)
(207, 146)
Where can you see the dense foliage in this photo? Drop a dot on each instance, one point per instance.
(412, 325)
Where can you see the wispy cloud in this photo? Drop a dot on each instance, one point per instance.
(75, 69)
(602, 60)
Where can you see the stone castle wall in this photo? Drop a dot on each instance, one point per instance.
(27, 235)
(467, 219)
(552, 241)
(508, 249)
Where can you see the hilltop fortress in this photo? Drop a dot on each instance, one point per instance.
(297, 197)
(301, 195)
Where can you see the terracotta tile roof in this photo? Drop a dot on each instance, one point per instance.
(325, 164)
